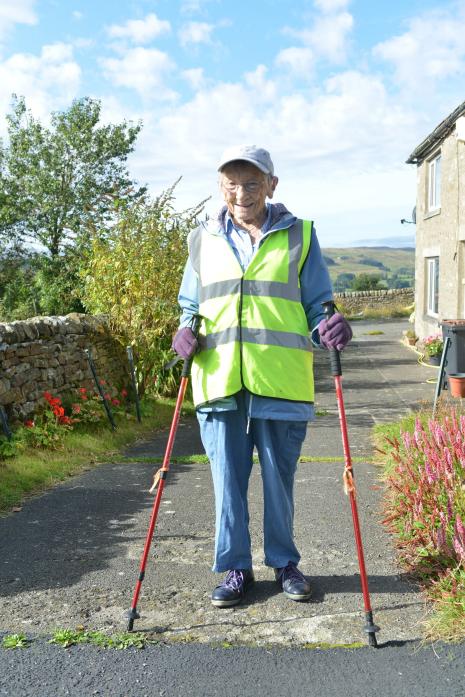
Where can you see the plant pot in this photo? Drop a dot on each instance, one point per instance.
(434, 360)
(457, 384)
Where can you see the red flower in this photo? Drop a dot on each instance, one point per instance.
(115, 402)
(58, 411)
(76, 408)
(82, 390)
(47, 396)
(29, 423)
(102, 382)
(124, 393)
(66, 420)
(107, 396)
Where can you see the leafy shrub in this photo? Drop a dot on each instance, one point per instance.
(133, 277)
(425, 506)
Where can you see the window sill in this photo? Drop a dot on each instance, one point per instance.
(431, 214)
(430, 318)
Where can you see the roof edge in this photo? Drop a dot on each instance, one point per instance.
(439, 133)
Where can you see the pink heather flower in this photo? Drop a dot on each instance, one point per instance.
(459, 528)
(449, 468)
(407, 440)
(441, 537)
(430, 475)
(450, 508)
(459, 548)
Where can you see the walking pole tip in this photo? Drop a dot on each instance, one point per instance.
(131, 615)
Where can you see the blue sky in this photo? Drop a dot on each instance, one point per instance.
(339, 91)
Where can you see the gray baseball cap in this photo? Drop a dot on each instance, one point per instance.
(249, 153)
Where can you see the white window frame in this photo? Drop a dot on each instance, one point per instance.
(434, 183)
(432, 286)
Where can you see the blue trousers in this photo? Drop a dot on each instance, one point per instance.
(230, 451)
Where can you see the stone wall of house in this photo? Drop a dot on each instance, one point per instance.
(48, 354)
(441, 233)
(357, 301)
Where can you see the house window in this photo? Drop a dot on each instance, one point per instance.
(434, 183)
(432, 286)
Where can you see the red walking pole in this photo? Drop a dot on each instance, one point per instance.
(159, 484)
(349, 485)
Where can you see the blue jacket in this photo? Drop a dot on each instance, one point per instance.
(315, 287)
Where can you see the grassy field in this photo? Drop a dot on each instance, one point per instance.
(388, 262)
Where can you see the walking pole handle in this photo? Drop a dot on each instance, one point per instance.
(186, 368)
(329, 309)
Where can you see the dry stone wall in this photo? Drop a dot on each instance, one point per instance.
(47, 354)
(357, 301)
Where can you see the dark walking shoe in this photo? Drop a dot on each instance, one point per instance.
(294, 584)
(233, 588)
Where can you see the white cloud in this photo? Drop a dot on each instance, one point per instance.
(339, 152)
(143, 70)
(195, 33)
(48, 81)
(195, 77)
(77, 15)
(140, 31)
(300, 61)
(331, 5)
(433, 48)
(193, 6)
(328, 36)
(17, 12)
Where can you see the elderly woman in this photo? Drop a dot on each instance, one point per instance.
(257, 278)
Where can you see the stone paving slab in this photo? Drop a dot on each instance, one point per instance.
(71, 556)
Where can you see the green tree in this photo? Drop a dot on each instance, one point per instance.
(367, 281)
(133, 276)
(343, 281)
(57, 182)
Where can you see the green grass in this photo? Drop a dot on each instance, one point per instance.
(203, 459)
(447, 622)
(34, 470)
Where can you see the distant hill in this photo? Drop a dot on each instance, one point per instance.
(395, 266)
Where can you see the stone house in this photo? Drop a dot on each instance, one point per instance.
(440, 225)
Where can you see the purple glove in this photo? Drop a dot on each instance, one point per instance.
(335, 332)
(184, 342)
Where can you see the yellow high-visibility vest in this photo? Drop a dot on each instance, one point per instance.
(254, 332)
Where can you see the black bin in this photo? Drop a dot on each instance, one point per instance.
(455, 330)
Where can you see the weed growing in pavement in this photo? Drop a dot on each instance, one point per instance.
(122, 640)
(424, 508)
(15, 641)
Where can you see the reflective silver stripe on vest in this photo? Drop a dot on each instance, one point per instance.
(219, 289)
(267, 337)
(272, 289)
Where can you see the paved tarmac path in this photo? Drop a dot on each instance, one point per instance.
(71, 557)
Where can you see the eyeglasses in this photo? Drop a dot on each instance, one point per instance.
(249, 187)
